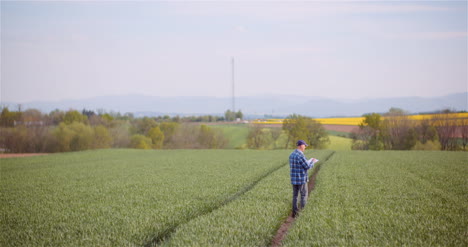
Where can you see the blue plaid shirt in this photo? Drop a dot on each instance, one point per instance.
(298, 167)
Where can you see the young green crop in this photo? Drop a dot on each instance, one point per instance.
(231, 197)
(387, 199)
(250, 220)
(119, 197)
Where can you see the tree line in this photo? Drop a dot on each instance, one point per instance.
(62, 131)
(394, 130)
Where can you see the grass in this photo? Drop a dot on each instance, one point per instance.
(387, 199)
(235, 133)
(339, 143)
(338, 133)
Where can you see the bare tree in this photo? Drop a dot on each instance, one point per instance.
(426, 131)
(464, 131)
(256, 138)
(399, 133)
(362, 137)
(447, 130)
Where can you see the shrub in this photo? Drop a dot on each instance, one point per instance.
(429, 145)
(140, 142)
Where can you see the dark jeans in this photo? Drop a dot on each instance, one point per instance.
(303, 190)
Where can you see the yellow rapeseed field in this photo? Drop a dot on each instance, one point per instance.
(357, 120)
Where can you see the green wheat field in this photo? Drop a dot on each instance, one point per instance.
(124, 197)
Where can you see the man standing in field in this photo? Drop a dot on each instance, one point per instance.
(299, 166)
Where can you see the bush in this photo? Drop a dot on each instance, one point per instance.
(429, 145)
(73, 137)
(140, 142)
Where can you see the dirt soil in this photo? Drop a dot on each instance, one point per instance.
(21, 155)
(341, 128)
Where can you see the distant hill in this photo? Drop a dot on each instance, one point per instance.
(276, 105)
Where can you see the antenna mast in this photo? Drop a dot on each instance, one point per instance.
(233, 96)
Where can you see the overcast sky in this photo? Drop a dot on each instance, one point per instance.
(340, 50)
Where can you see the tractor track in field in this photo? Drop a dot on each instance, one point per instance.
(159, 239)
(283, 230)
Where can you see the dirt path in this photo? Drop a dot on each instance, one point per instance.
(21, 155)
(283, 230)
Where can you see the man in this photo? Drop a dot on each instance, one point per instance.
(299, 166)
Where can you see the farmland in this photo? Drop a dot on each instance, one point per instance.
(124, 197)
(387, 199)
(250, 220)
(119, 197)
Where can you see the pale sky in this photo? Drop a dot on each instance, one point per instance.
(340, 50)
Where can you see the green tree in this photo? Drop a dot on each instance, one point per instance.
(8, 118)
(169, 129)
(74, 116)
(368, 136)
(211, 138)
(82, 138)
(394, 111)
(73, 137)
(317, 136)
(299, 127)
(229, 115)
(157, 137)
(102, 138)
(143, 125)
(55, 117)
(63, 136)
(239, 115)
(373, 120)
